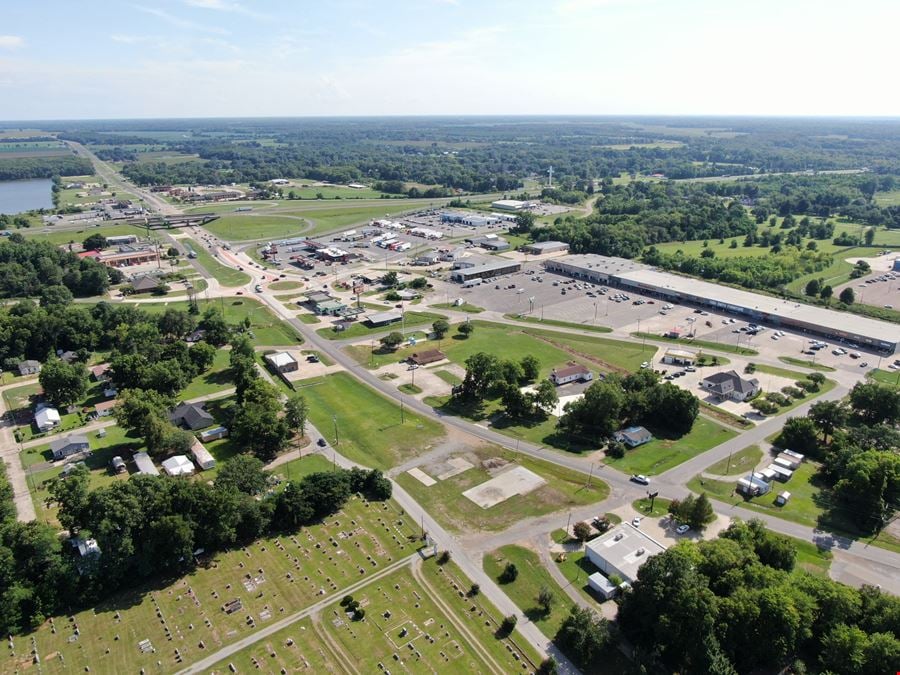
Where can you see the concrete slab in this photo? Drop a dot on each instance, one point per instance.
(422, 477)
(516, 481)
(457, 466)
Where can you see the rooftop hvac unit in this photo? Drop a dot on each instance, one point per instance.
(618, 536)
(640, 551)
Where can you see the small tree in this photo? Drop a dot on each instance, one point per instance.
(702, 513)
(581, 530)
(440, 328)
(390, 279)
(545, 599)
(826, 293)
(443, 557)
(869, 236)
(813, 287)
(474, 590)
(548, 667)
(466, 329)
(847, 296)
(508, 625)
(531, 368)
(509, 574)
(391, 340)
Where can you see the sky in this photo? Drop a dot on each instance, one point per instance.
(231, 58)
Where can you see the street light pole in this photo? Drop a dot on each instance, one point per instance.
(336, 437)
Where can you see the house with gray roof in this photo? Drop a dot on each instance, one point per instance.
(70, 445)
(191, 416)
(730, 385)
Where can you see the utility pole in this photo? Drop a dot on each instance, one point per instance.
(590, 476)
(402, 420)
(334, 421)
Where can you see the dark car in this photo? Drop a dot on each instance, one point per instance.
(321, 443)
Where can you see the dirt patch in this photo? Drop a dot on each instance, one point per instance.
(516, 481)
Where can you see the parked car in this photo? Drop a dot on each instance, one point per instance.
(681, 529)
(321, 442)
(640, 478)
(636, 521)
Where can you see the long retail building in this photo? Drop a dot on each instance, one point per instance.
(819, 321)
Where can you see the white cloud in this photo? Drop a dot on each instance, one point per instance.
(11, 41)
(226, 6)
(178, 22)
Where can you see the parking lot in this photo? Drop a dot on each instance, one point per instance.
(881, 288)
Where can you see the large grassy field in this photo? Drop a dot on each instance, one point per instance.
(533, 576)
(361, 329)
(565, 489)
(417, 620)
(551, 348)
(227, 276)
(369, 430)
(247, 227)
(661, 454)
(216, 379)
(268, 330)
(273, 578)
(59, 237)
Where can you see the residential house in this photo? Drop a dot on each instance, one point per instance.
(213, 434)
(633, 436)
(105, 408)
(144, 464)
(730, 385)
(574, 372)
(70, 445)
(191, 416)
(46, 418)
(29, 367)
(100, 373)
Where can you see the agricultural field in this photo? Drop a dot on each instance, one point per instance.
(227, 276)
(187, 619)
(416, 620)
(661, 454)
(563, 489)
(368, 425)
(33, 149)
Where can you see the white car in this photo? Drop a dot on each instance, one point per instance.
(681, 529)
(645, 365)
(636, 521)
(640, 478)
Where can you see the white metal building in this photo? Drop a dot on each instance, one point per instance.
(622, 550)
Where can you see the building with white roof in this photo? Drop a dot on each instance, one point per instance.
(622, 551)
(46, 418)
(827, 323)
(179, 465)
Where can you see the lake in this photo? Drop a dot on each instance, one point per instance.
(17, 196)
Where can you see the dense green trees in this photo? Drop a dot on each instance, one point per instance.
(27, 267)
(640, 398)
(64, 384)
(734, 605)
(258, 425)
(584, 637)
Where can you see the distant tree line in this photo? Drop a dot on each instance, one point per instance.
(19, 168)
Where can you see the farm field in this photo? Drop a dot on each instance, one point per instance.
(415, 621)
(227, 276)
(185, 619)
(268, 330)
(564, 489)
(369, 430)
(661, 454)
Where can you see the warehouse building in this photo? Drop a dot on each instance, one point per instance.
(545, 247)
(510, 205)
(826, 323)
(488, 271)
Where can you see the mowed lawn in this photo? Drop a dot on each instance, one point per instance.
(369, 430)
(564, 489)
(227, 276)
(67, 236)
(661, 454)
(401, 610)
(268, 330)
(216, 379)
(351, 545)
(551, 348)
(533, 577)
(261, 226)
(362, 329)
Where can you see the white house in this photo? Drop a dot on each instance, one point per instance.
(46, 418)
(574, 372)
(729, 384)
